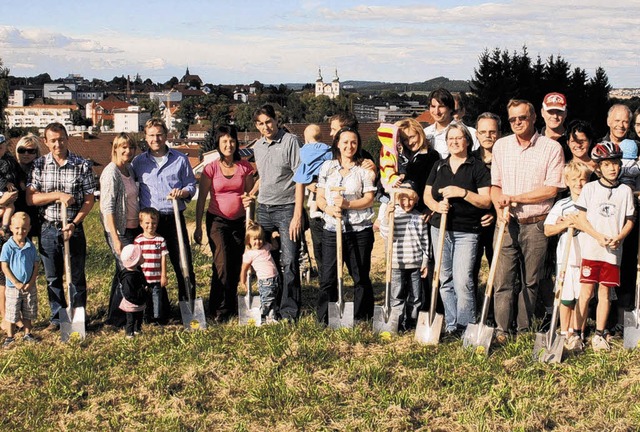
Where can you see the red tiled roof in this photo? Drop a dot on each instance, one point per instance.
(425, 117)
(112, 102)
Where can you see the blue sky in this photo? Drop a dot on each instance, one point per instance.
(241, 41)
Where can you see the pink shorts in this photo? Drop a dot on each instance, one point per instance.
(599, 272)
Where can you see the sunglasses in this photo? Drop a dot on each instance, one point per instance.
(520, 118)
(23, 150)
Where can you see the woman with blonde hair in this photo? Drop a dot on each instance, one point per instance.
(119, 210)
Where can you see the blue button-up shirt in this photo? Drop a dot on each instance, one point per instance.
(156, 182)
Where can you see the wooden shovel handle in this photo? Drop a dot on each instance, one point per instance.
(496, 251)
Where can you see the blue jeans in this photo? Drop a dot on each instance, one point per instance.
(267, 288)
(277, 218)
(457, 288)
(115, 316)
(52, 254)
(406, 292)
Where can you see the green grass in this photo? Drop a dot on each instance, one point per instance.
(298, 377)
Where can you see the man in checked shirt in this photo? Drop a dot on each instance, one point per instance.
(526, 175)
(62, 177)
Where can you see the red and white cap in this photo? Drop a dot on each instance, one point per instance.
(555, 101)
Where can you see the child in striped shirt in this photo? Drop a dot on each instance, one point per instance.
(410, 254)
(154, 251)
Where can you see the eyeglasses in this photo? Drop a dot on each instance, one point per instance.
(518, 118)
(23, 150)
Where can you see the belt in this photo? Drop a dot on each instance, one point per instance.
(530, 220)
(57, 224)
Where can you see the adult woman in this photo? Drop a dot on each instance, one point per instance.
(354, 205)
(421, 157)
(226, 180)
(27, 150)
(458, 186)
(119, 210)
(580, 142)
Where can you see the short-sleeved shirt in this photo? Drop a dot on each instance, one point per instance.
(562, 208)
(518, 170)
(152, 250)
(20, 259)
(607, 209)
(75, 178)
(277, 162)
(471, 175)
(226, 193)
(261, 261)
(357, 182)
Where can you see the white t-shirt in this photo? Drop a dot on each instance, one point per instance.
(438, 140)
(560, 209)
(608, 208)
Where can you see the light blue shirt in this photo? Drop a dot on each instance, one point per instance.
(156, 182)
(20, 259)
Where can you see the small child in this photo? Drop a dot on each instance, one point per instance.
(630, 170)
(8, 172)
(20, 266)
(410, 254)
(133, 285)
(562, 216)
(606, 217)
(259, 257)
(154, 251)
(312, 155)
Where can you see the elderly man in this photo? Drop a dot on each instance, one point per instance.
(62, 177)
(166, 174)
(526, 175)
(554, 113)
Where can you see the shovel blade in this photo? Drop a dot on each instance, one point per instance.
(72, 324)
(428, 331)
(249, 312)
(631, 330)
(478, 336)
(193, 318)
(341, 317)
(548, 348)
(390, 324)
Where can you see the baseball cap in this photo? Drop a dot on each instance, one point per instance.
(554, 101)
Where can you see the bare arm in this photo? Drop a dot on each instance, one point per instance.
(243, 273)
(203, 190)
(163, 271)
(535, 196)
(295, 226)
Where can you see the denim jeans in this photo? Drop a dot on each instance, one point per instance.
(456, 277)
(356, 253)
(52, 254)
(277, 218)
(226, 240)
(524, 244)
(115, 316)
(267, 288)
(406, 292)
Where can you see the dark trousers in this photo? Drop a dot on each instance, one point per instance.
(134, 322)
(316, 226)
(167, 229)
(52, 255)
(485, 247)
(226, 240)
(115, 316)
(356, 253)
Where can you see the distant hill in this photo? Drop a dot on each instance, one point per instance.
(379, 86)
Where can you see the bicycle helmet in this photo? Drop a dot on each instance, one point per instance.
(606, 150)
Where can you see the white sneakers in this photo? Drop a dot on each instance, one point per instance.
(599, 343)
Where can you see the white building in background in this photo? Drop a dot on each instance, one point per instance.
(39, 115)
(59, 91)
(331, 90)
(130, 119)
(166, 96)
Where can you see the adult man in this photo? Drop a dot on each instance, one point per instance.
(554, 113)
(526, 175)
(165, 174)
(488, 132)
(280, 200)
(619, 121)
(62, 177)
(442, 107)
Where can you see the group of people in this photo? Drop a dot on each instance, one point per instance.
(461, 176)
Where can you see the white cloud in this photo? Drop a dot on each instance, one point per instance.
(12, 37)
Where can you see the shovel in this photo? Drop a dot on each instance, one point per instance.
(632, 318)
(480, 335)
(340, 312)
(72, 319)
(429, 325)
(548, 346)
(249, 311)
(192, 310)
(386, 318)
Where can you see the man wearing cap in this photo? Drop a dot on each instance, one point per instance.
(554, 113)
(62, 177)
(526, 174)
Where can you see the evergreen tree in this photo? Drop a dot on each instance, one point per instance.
(598, 105)
(4, 95)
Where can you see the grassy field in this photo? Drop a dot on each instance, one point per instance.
(298, 377)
